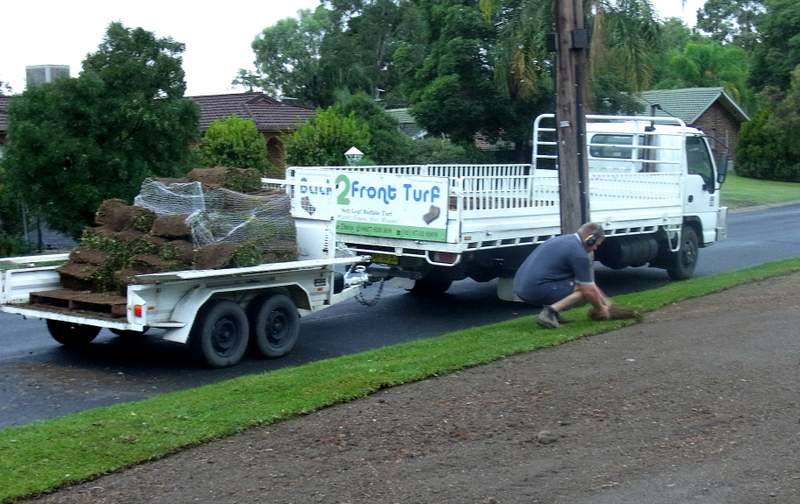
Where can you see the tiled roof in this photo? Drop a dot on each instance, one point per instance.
(4, 112)
(689, 104)
(406, 123)
(401, 115)
(268, 114)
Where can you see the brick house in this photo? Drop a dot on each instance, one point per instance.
(274, 119)
(711, 110)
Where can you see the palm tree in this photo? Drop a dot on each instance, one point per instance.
(624, 38)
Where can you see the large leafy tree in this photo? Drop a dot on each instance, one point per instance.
(778, 54)
(706, 63)
(75, 142)
(476, 68)
(767, 146)
(341, 45)
(731, 21)
(387, 144)
(288, 55)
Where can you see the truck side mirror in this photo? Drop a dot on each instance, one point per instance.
(722, 168)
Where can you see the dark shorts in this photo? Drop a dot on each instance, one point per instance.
(550, 292)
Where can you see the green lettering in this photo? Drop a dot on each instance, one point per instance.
(342, 199)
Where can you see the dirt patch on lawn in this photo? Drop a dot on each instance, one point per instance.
(698, 403)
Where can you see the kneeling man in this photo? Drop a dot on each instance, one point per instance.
(558, 274)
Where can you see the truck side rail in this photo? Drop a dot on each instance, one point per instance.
(644, 156)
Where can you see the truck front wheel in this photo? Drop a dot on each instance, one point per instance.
(220, 333)
(684, 261)
(275, 325)
(70, 334)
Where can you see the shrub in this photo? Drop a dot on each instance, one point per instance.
(233, 142)
(323, 140)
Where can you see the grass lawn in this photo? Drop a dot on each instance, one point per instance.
(738, 192)
(46, 455)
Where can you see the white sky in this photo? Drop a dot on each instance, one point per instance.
(217, 35)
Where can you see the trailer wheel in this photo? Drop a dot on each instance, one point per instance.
(275, 325)
(684, 261)
(431, 285)
(220, 333)
(70, 334)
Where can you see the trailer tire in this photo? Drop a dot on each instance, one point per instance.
(684, 261)
(70, 334)
(274, 325)
(220, 334)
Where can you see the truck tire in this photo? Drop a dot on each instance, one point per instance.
(684, 261)
(219, 334)
(431, 285)
(274, 325)
(70, 334)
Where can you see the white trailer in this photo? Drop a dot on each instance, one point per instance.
(217, 312)
(653, 185)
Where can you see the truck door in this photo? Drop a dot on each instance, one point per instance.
(702, 193)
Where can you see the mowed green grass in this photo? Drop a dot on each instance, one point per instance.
(46, 455)
(739, 192)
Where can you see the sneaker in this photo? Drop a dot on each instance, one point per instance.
(561, 319)
(548, 318)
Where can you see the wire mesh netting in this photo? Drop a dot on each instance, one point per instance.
(217, 214)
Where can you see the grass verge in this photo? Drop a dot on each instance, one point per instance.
(46, 455)
(738, 192)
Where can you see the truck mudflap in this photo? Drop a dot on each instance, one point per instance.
(722, 223)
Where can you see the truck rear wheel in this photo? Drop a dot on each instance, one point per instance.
(684, 261)
(70, 334)
(431, 285)
(220, 333)
(275, 325)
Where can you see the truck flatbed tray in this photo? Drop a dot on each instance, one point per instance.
(97, 303)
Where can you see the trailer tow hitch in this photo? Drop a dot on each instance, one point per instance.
(365, 280)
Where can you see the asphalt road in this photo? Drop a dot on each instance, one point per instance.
(39, 379)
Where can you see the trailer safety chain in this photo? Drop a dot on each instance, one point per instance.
(371, 302)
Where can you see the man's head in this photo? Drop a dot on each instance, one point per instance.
(592, 236)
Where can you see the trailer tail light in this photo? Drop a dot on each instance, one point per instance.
(138, 310)
(444, 257)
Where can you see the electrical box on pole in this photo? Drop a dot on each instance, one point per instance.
(571, 42)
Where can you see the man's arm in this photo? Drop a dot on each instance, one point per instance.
(592, 293)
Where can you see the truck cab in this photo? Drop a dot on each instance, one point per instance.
(642, 146)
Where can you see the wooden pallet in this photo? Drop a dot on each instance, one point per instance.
(95, 302)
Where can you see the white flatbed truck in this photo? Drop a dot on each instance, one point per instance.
(653, 185)
(217, 312)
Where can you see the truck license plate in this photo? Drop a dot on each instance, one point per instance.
(384, 258)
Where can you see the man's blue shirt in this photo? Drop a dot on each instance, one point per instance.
(556, 260)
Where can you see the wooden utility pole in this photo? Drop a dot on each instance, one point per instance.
(571, 44)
